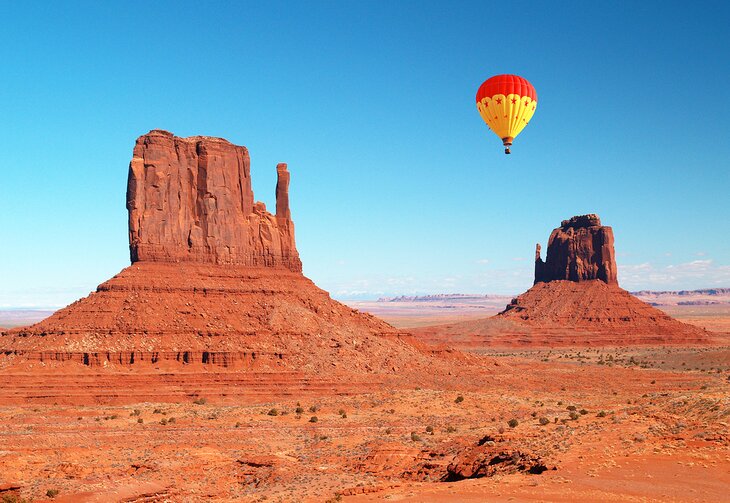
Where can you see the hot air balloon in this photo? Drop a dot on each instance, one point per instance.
(506, 103)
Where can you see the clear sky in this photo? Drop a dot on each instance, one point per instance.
(397, 187)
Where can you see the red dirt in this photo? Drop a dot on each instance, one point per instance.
(662, 434)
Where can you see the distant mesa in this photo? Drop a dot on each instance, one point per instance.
(438, 297)
(215, 279)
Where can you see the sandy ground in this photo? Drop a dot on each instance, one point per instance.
(621, 425)
(608, 424)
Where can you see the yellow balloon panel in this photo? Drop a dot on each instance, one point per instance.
(507, 115)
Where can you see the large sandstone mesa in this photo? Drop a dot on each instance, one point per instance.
(580, 249)
(190, 200)
(215, 279)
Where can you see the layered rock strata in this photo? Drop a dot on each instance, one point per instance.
(233, 316)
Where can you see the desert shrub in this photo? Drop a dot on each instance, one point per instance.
(140, 420)
(52, 493)
(200, 401)
(170, 420)
(601, 414)
(415, 437)
(163, 421)
(313, 419)
(313, 408)
(157, 411)
(583, 412)
(136, 412)
(299, 410)
(12, 498)
(273, 412)
(574, 415)
(544, 421)
(429, 429)
(571, 407)
(114, 416)
(459, 399)
(512, 423)
(533, 414)
(450, 429)
(388, 431)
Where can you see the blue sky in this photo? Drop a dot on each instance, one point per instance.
(397, 185)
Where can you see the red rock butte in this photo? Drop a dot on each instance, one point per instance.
(215, 279)
(575, 301)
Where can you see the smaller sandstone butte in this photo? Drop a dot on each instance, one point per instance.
(190, 200)
(575, 301)
(580, 249)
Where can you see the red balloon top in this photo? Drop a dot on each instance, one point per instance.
(506, 84)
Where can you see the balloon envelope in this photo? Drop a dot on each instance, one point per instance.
(506, 103)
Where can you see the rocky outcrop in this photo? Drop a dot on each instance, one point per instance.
(190, 200)
(215, 280)
(576, 298)
(580, 249)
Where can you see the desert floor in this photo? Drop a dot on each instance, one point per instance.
(607, 424)
(647, 425)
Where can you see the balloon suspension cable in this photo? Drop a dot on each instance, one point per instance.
(507, 142)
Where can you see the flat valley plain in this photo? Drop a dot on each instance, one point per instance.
(569, 424)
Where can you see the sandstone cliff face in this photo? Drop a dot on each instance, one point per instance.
(190, 200)
(580, 249)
